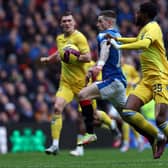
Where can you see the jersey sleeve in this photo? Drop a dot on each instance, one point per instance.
(82, 44)
(152, 32)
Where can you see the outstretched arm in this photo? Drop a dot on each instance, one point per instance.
(126, 39)
(121, 39)
(140, 44)
(104, 54)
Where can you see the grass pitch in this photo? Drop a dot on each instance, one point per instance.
(94, 158)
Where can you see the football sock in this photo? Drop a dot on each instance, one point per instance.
(136, 134)
(125, 131)
(79, 137)
(87, 112)
(56, 142)
(140, 124)
(56, 126)
(106, 119)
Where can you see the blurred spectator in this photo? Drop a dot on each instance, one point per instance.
(27, 31)
(42, 115)
(13, 116)
(26, 110)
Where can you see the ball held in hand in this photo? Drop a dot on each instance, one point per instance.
(70, 53)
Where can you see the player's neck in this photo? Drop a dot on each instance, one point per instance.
(66, 34)
(146, 22)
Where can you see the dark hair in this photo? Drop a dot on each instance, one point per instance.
(66, 13)
(150, 9)
(108, 13)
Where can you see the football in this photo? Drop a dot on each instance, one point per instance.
(70, 54)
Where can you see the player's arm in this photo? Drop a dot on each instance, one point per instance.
(86, 57)
(82, 44)
(121, 39)
(140, 44)
(126, 39)
(104, 54)
(51, 58)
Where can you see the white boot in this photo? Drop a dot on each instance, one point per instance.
(140, 144)
(52, 150)
(79, 151)
(124, 147)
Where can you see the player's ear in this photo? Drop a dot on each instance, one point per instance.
(61, 23)
(75, 24)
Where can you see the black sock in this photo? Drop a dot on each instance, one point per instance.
(87, 112)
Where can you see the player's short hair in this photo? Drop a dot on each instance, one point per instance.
(66, 13)
(149, 8)
(108, 13)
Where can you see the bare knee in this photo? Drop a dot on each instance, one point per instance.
(82, 95)
(58, 107)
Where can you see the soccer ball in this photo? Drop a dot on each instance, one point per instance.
(70, 54)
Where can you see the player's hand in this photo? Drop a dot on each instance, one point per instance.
(88, 77)
(69, 51)
(95, 72)
(108, 37)
(44, 60)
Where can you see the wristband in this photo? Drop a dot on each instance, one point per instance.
(100, 63)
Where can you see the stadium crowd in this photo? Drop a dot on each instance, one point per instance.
(27, 31)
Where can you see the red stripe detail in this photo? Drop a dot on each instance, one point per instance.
(85, 102)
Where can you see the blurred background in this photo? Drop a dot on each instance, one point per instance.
(28, 29)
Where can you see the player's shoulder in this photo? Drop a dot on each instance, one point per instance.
(114, 32)
(60, 37)
(153, 24)
(78, 33)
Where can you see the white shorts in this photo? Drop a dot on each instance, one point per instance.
(112, 90)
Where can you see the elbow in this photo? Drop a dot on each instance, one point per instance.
(146, 43)
(89, 58)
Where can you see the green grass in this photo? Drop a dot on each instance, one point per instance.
(94, 158)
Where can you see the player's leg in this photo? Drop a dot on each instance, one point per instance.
(56, 125)
(161, 100)
(114, 114)
(111, 123)
(125, 137)
(85, 96)
(63, 96)
(139, 140)
(114, 91)
(131, 115)
(161, 119)
(79, 150)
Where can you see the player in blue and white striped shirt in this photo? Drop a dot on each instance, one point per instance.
(113, 84)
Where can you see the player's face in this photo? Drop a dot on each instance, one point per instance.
(68, 24)
(102, 24)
